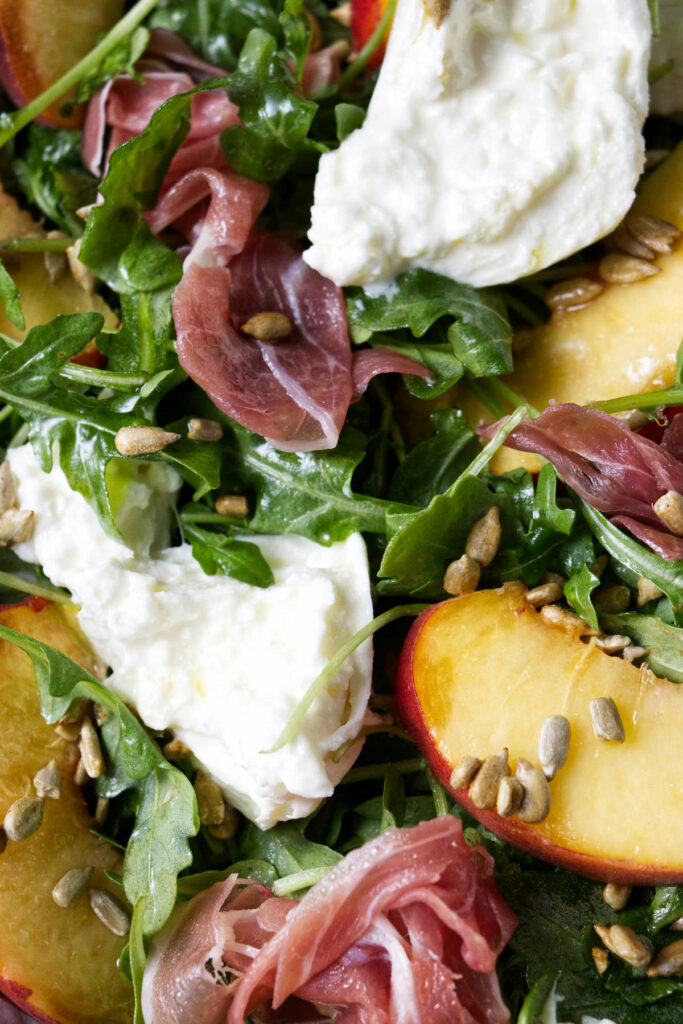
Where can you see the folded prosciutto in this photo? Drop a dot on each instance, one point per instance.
(616, 470)
(404, 930)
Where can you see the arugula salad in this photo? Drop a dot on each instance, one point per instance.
(197, 429)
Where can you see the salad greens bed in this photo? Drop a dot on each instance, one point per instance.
(415, 503)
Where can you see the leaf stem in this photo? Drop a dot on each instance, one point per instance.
(355, 68)
(299, 880)
(93, 376)
(438, 794)
(9, 579)
(20, 244)
(481, 461)
(323, 680)
(510, 396)
(370, 772)
(10, 124)
(646, 400)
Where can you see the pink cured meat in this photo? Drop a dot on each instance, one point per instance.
(369, 362)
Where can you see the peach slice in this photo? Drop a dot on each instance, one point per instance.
(41, 39)
(484, 671)
(57, 964)
(365, 17)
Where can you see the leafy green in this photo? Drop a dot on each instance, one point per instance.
(120, 60)
(275, 117)
(578, 589)
(298, 33)
(436, 354)
(163, 798)
(547, 513)
(347, 117)
(216, 29)
(9, 294)
(286, 847)
(434, 465)
(220, 552)
(52, 175)
(479, 336)
(663, 642)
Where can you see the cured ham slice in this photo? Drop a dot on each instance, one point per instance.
(614, 469)
(368, 362)
(404, 930)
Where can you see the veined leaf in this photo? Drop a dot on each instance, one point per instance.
(663, 642)
(221, 552)
(9, 294)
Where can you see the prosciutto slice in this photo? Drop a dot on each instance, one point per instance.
(404, 930)
(615, 470)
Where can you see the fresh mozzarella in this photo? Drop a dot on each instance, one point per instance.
(496, 143)
(220, 663)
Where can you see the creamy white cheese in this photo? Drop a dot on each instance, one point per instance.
(220, 663)
(495, 144)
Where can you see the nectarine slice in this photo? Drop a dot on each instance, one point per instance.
(365, 17)
(484, 671)
(58, 964)
(41, 39)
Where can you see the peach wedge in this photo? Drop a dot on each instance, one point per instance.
(484, 671)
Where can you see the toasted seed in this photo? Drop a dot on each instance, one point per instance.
(83, 275)
(509, 797)
(553, 745)
(228, 826)
(204, 430)
(669, 508)
(101, 810)
(462, 576)
(210, 801)
(633, 652)
(268, 326)
(668, 962)
(113, 914)
(100, 714)
(599, 565)
(16, 526)
(657, 234)
(8, 488)
(484, 537)
(554, 577)
(621, 240)
(647, 591)
(55, 263)
(71, 886)
(623, 942)
(143, 440)
(607, 724)
(566, 620)
(612, 599)
(677, 925)
(616, 896)
(484, 790)
(76, 710)
(80, 774)
(342, 14)
(235, 505)
(546, 593)
(464, 772)
(618, 268)
(176, 750)
(341, 49)
(600, 958)
(68, 730)
(613, 644)
(48, 781)
(535, 804)
(91, 751)
(23, 818)
(574, 292)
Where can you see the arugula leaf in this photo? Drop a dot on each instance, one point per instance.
(433, 465)
(546, 510)
(664, 643)
(286, 847)
(120, 60)
(165, 806)
(144, 339)
(480, 336)
(438, 356)
(220, 552)
(298, 33)
(393, 800)
(578, 589)
(52, 175)
(347, 118)
(9, 294)
(136, 955)
(216, 29)
(275, 117)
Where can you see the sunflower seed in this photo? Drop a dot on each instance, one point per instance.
(82, 274)
(600, 958)
(633, 652)
(80, 774)
(8, 488)
(342, 14)
(535, 804)
(621, 240)
(234, 505)
(228, 826)
(48, 781)
(484, 537)
(176, 750)
(612, 599)
(647, 591)
(553, 745)
(618, 268)
(509, 797)
(668, 962)
(75, 713)
(268, 326)
(101, 810)
(204, 430)
(572, 293)
(462, 576)
(91, 751)
(100, 714)
(16, 526)
(484, 790)
(669, 508)
(113, 914)
(464, 772)
(607, 724)
(55, 263)
(210, 803)
(554, 577)
(624, 943)
(68, 730)
(566, 620)
(23, 818)
(657, 234)
(616, 896)
(143, 440)
(71, 886)
(546, 593)
(677, 925)
(612, 644)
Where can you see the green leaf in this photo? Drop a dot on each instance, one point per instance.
(9, 294)
(546, 510)
(480, 337)
(165, 806)
(217, 29)
(298, 33)
(535, 1008)
(393, 800)
(577, 591)
(52, 175)
(220, 552)
(347, 118)
(275, 118)
(663, 642)
(137, 955)
(438, 356)
(432, 466)
(121, 60)
(286, 847)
